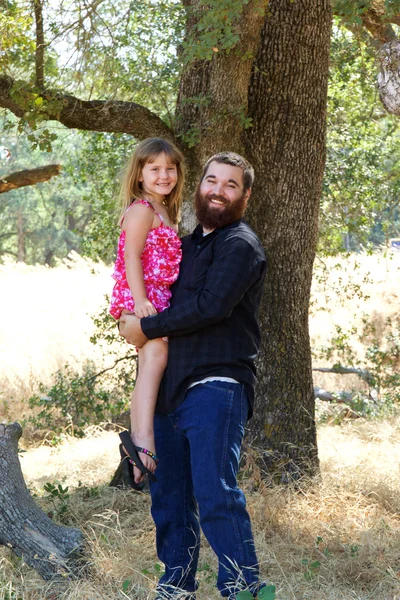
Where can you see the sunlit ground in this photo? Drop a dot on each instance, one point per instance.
(337, 539)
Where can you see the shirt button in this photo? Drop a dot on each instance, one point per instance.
(198, 246)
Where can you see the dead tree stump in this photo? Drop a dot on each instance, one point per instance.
(52, 550)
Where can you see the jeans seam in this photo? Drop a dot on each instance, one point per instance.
(226, 434)
(184, 491)
(227, 492)
(185, 517)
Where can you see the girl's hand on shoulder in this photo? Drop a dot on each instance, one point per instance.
(144, 308)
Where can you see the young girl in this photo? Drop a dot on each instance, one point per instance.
(148, 257)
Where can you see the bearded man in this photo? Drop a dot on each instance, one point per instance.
(207, 391)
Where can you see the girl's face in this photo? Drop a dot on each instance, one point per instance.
(159, 177)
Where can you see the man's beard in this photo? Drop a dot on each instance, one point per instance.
(213, 217)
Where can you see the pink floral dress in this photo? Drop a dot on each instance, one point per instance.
(160, 259)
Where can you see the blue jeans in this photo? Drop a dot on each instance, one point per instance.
(198, 445)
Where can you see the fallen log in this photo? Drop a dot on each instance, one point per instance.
(54, 551)
(333, 396)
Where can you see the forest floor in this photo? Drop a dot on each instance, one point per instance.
(337, 538)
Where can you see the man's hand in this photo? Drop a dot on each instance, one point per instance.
(129, 328)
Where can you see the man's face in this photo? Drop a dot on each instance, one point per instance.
(220, 199)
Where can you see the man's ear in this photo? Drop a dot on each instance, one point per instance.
(247, 195)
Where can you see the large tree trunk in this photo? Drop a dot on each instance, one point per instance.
(274, 79)
(222, 82)
(51, 549)
(285, 97)
(287, 102)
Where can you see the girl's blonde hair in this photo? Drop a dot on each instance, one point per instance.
(146, 152)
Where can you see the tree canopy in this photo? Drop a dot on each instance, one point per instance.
(111, 53)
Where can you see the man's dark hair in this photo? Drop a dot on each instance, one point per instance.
(231, 158)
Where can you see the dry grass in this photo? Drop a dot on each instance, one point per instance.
(348, 522)
(46, 321)
(343, 291)
(345, 288)
(337, 539)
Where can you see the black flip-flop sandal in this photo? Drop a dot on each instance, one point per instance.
(127, 468)
(132, 459)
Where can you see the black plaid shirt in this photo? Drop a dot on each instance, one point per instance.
(212, 323)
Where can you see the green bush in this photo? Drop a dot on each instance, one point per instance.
(76, 400)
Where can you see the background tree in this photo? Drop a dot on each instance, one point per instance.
(359, 205)
(40, 223)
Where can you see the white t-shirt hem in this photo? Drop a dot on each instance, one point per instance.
(215, 378)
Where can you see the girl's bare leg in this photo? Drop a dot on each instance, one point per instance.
(152, 358)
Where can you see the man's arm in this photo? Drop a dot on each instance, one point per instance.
(236, 266)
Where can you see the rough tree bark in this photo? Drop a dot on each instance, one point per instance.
(53, 550)
(28, 177)
(223, 82)
(287, 147)
(389, 76)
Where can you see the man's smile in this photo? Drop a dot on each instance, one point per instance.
(217, 200)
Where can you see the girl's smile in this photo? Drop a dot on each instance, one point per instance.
(159, 177)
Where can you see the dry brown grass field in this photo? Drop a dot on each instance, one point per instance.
(337, 538)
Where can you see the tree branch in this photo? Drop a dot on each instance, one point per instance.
(39, 53)
(28, 177)
(128, 356)
(339, 370)
(96, 115)
(375, 19)
(378, 19)
(378, 25)
(3, 251)
(8, 235)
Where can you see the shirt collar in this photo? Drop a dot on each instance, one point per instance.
(198, 232)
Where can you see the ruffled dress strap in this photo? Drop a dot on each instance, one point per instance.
(146, 203)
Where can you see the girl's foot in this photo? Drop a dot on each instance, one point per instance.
(132, 464)
(146, 442)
